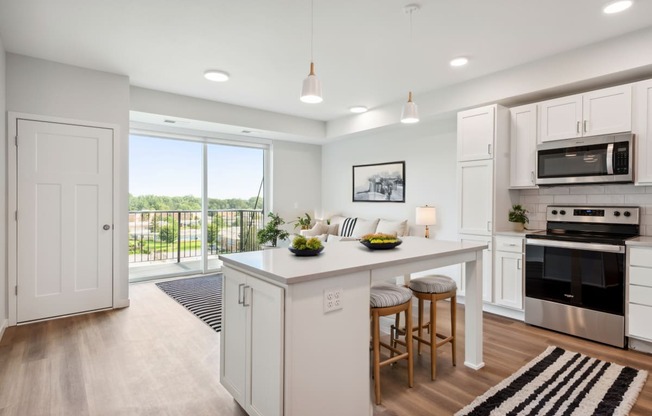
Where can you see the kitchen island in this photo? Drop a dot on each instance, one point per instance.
(295, 330)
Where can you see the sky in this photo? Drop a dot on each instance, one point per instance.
(173, 168)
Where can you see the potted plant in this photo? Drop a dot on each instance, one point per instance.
(303, 222)
(271, 233)
(518, 215)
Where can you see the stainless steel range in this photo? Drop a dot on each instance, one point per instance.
(575, 271)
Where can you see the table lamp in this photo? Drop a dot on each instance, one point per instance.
(426, 215)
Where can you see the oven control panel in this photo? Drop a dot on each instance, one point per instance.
(592, 214)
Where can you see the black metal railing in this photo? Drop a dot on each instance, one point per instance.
(168, 235)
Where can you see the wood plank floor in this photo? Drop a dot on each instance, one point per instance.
(155, 358)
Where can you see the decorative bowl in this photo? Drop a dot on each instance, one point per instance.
(306, 252)
(380, 246)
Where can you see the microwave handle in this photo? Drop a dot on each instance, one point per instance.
(610, 159)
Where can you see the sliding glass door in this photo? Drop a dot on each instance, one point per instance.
(189, 201)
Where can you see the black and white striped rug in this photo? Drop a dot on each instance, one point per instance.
(200, 295)
(560, 382)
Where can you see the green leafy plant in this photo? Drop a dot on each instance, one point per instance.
(303, 222)
(518, 214)
(272, 233)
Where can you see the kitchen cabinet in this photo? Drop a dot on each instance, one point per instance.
(475, 133)
(475, 196)
(604, 111)
(523, 146)
(508, 272)
(642, 128)
(639, 305)
(251, 366)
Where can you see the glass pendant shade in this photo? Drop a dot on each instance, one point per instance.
(311, 90)
(410, 113)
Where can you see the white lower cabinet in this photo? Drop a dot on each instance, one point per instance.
(487, 257)
(508, 272)
(252, 333)
(639, 305)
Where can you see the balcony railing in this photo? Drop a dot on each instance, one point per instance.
(176, 235)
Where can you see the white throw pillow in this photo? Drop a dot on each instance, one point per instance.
(363, 227)
(318, 229)
(332, 228)
(396, 228)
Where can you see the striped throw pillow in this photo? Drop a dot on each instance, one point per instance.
(346, 229)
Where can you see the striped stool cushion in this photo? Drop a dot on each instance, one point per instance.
(385, 295)
(433, 284)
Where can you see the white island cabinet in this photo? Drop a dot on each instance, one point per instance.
(286, 351)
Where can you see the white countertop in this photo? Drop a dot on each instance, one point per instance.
(520, 234)
(640, 241)
(342, 257)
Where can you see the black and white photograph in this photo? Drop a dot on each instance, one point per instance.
(380, 182)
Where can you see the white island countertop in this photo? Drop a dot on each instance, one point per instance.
(282, 266)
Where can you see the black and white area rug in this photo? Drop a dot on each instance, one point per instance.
(560, 382)
(200, 295)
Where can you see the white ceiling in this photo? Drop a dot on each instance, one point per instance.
(362, 51)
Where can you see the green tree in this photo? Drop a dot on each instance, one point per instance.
(169, 230)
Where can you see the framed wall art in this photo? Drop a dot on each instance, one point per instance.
(379, 182)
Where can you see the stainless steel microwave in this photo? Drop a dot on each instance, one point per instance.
(599, 159)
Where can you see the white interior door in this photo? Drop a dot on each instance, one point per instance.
(64, 227)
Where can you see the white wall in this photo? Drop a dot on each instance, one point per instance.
(3, 192)
(429, 152)
(40, 87)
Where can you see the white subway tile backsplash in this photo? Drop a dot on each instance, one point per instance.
(638, 199)
(587, 190)
(648, 189)
(570, 199)
(605, 199)
(554, 190)
(623, 189)
(529, 192)
(537, 199)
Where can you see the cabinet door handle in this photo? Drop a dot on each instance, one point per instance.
(244, 297)
(488, 225)
(586, 126)
(578, 127)
(518, 264)
(489, 148)
(240, 294)
(532, 177)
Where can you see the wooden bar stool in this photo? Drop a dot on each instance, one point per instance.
(431, 289)
(386, 300)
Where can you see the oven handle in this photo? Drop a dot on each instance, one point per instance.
(607, 248)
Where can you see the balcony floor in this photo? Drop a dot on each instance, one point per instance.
(156, 269)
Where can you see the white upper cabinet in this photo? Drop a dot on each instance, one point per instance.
(475, 197)
(523, 146)
(593, 113)
(475, 133)
(642, 128)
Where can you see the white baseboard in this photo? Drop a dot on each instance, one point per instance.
(121, 303)
(3, 325)
(640, 345)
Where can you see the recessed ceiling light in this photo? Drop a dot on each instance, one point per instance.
(617, 6)
(215, 75)
(358, 109)
(461, 61)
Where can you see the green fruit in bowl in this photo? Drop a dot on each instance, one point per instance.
(380, 238)
(301, 243)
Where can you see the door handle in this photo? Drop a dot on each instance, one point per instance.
(489, 148)
(578, 127)
(488, 225)
(586, 126)
(240, 294)
(106, 227)
(244, 296)
(518, 264)
(532, 177)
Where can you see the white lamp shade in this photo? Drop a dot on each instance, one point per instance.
(426, 215)
(410, 113)
(311, 91)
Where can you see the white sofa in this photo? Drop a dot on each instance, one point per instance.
(340, 228)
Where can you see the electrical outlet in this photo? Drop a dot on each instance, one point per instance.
(333, 299)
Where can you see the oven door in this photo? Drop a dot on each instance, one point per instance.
(585, 275)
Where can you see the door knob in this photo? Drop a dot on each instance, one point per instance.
(106, 227)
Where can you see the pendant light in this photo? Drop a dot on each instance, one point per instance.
(311, 90)
(410, 113)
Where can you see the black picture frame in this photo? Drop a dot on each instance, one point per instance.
(379, 182)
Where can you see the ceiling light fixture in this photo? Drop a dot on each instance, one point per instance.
(460, 61)
(358, 109)
(311, 89)
(215, 75)
(410, 113)
(617, 6)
